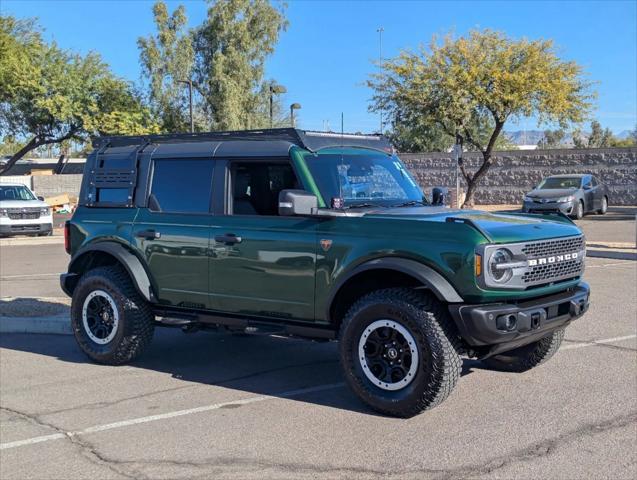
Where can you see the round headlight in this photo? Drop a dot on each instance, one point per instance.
(499, 273)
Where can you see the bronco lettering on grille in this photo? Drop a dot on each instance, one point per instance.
(557, 258)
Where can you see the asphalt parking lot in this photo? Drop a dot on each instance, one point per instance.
(216, 405)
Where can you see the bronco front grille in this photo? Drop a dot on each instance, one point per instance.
(553, 247)
(23, 213)
(555, 267)
(551, 272)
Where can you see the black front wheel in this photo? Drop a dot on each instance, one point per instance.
(578, 211)
(604, 207)
(398, 351)
(112, 323)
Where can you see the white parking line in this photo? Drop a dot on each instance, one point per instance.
(167, 415)
(217, 406)
(596, 342)
(8, 277)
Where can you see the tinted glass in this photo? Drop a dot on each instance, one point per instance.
(112, 195)
(560, 182)
(363, 178)
(256, 187)
(15, 193)
(182, 185)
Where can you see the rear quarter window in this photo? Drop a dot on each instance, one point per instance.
(182, 185)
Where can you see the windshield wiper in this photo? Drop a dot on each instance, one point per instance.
(363, 205)
(411, 203)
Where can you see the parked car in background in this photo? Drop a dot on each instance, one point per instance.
(21, 212)
(573, 195)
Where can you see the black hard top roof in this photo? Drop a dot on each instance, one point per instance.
(266, 142)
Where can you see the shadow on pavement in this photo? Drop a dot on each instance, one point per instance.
(32, 307)
(259, 365)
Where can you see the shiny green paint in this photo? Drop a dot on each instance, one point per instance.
(298, 160)
(280, 269)
(270, 273)
(178, 259)
(96, 225)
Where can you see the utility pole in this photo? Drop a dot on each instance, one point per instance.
(457, 148)
(380, 31)
(189, 83)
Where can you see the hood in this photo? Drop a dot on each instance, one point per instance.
(551, 193)
(22, 203)
(500, 227)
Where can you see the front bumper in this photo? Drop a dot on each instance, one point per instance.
(536, 207)
(486, 325)
(25, 228)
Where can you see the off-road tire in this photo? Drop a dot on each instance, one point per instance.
(428, 321)
(578, 212)
(527, 357)
(136, 320)
(602, 211)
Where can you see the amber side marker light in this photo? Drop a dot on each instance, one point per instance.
(478, 264)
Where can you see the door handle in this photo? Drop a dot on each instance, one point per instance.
(148, 234)
(228, 239)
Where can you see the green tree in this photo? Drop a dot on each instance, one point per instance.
(231, 48)
(482, 79)
(599, 136)
(553, 139)
(64, 96)
(167, 60)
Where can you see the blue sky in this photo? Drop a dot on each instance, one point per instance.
(327, 52)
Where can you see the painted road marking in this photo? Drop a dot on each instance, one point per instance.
(596, 342)
(217, 406)
(31, 275)
(167, 415)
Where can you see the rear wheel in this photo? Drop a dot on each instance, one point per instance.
(398, 351)
(112, 323)
(529, 356)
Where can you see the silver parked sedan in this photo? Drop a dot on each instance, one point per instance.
(573, 195)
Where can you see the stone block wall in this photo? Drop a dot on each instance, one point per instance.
(51, 185)
(516, 172)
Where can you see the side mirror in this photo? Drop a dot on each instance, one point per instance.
(439, 195)
(296, 202)
(41, 198)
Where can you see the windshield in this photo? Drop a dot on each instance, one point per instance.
(15, 192)
(363, 178)
(560, 182)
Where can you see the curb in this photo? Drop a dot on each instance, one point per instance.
(54, 239)
(612, 253)
(57, 325)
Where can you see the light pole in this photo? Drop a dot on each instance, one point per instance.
(380, 31)
(189, 83)
(294, 106)
(274, 89)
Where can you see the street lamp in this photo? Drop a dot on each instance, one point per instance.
(294, 106)
(275, 89)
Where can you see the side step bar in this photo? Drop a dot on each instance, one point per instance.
(178, 318)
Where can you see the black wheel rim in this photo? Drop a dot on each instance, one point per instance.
(100, 317)
(388, 355)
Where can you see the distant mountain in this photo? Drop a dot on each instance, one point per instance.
(525, 137)
(624, 134)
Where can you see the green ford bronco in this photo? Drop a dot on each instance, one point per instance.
(314, 235)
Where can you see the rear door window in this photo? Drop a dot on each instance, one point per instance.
(181, 185)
